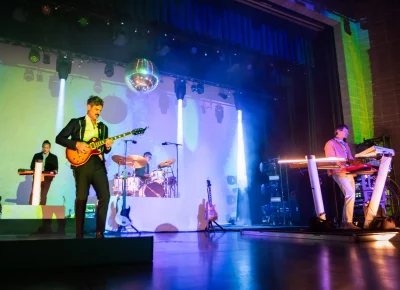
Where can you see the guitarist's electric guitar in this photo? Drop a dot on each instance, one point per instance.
(210, 214)
(77, 158)
(122, 218)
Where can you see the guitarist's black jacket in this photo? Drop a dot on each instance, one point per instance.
(76, 129)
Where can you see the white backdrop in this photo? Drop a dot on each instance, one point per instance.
(29, 112)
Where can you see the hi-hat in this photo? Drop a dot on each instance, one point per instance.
(166, 163)
(120, 160)
(136, 161)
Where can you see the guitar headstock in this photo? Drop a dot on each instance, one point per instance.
(208, 183)
(139, 131)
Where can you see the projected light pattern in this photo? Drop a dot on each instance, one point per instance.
(359, 82)
(60, 107)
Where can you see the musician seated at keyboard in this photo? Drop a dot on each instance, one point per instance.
(50, 163)
(338, 147)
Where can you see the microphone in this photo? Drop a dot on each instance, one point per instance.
(134, 142)
(164, 143)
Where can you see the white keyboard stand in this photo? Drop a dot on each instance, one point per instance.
(386, 155)
(311, 162)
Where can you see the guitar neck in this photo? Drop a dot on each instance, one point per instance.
(209, 195)
(102, 142)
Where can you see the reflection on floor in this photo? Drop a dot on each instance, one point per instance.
(232, 261)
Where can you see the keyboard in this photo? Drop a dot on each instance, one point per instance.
(374, 152)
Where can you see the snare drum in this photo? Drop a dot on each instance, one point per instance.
(157, 176)
(152, 190)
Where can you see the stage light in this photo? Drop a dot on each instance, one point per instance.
(46, 10)
(219, 113)
(28, 75)
(97, 87)
(63, 67)
(223, 95)
(238, 97)
(141, 75)
(54, 85)
(120, 38)
(241, 172)
(83, 21)
(34, 55)
(109, 70)
(39, 76)
(46, 57)
(199, 88)
(180, 89)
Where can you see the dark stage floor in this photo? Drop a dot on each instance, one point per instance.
(231, 261)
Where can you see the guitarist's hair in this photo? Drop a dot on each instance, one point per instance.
(95, 101)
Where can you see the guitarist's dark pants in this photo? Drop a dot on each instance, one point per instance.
(92, 173)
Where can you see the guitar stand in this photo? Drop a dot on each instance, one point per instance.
(120, 228)
(211, 226)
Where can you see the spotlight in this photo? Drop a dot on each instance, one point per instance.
(28, 75)
(109, 70)
(34, 55)
(199, 88)
(54, 85)
(238, 100)
(120, 38)
(180, 88)
(63, 67)
(46, 57)
(219, 113)
(223, 95)
(46, 10)
(39, 76)
(83, 21)
(97, 87)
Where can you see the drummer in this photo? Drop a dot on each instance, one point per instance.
(144, 172)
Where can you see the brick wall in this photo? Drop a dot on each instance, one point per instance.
(385, 68)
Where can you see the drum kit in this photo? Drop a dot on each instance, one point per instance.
(158, 183)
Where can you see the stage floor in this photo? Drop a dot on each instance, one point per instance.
(230, 261)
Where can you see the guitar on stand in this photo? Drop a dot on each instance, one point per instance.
(210, 214)
(122, 218)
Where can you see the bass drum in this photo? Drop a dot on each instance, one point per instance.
(153, 189)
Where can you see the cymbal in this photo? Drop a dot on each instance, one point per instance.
(166, 163)
(136, 160)
(118, 159)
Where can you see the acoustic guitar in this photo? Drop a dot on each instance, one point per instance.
(210, 214)
(77, 158)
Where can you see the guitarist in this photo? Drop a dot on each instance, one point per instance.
(93, 172)
(338, 147)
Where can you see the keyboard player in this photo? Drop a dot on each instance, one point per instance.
(50, 163)
(338, 147)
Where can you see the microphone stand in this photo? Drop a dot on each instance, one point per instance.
(177, 165)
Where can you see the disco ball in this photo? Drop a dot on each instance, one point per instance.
(141, 75)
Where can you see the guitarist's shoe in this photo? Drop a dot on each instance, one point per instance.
(79, 236)
(99, 235)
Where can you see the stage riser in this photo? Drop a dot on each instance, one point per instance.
(56, 253)
(32, 226)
